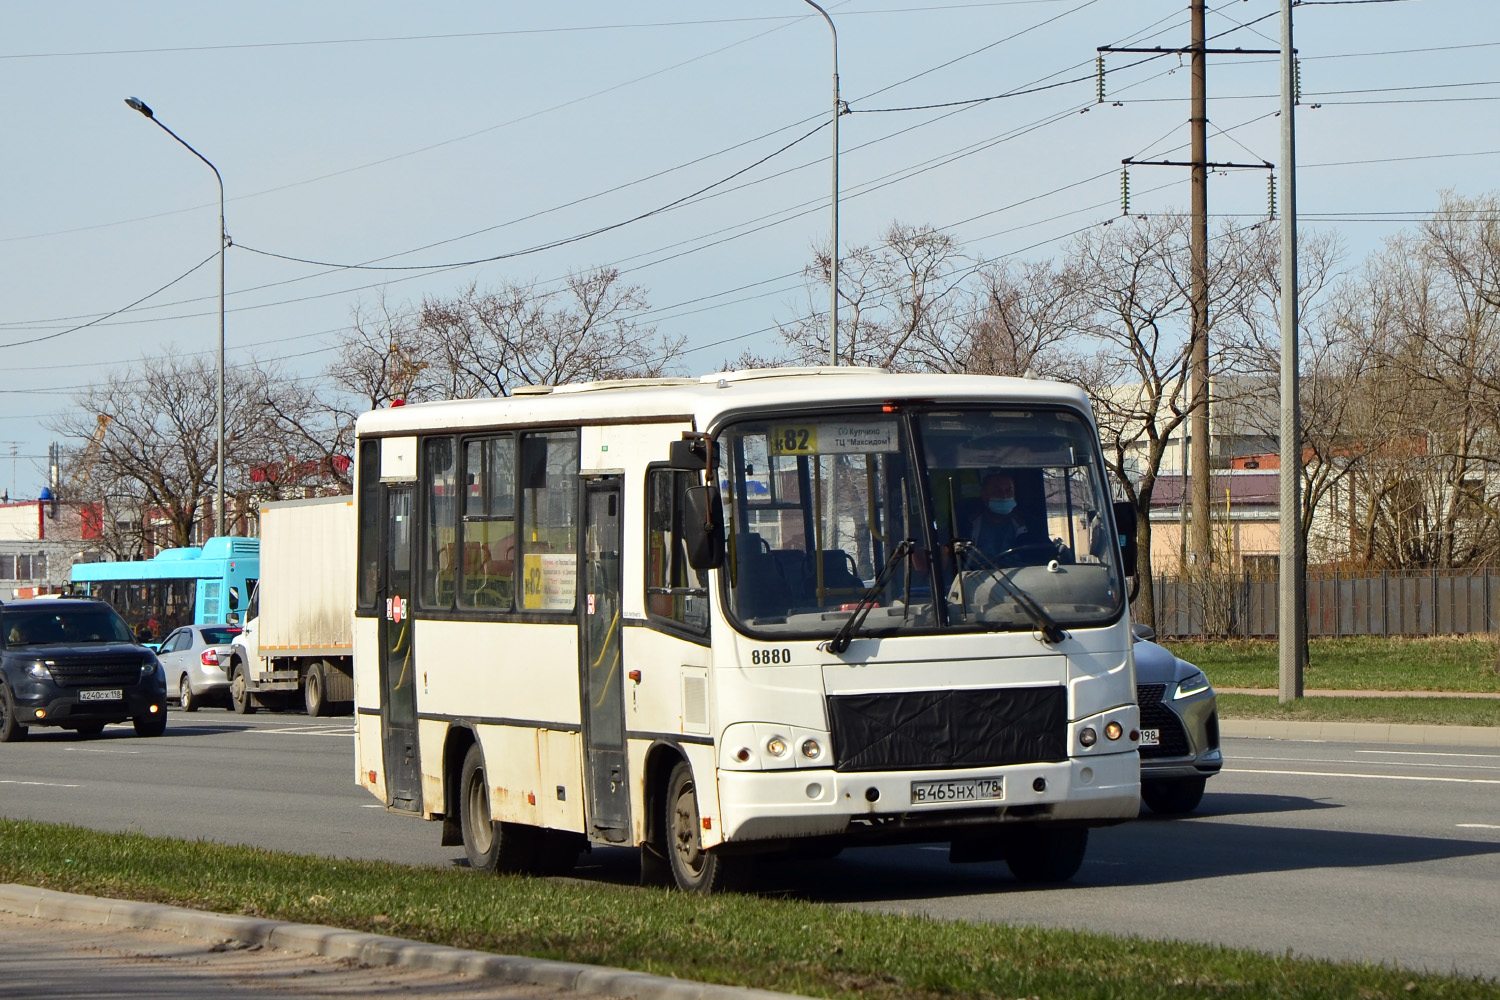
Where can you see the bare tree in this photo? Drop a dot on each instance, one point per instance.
(486, 343)
(380, 357)
(897, 299)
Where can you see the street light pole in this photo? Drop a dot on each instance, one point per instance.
(833, 253)
(136, 104)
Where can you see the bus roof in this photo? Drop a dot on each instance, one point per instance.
(211, 560)
(706, 400)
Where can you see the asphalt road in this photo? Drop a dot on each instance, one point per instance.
(1338, 850)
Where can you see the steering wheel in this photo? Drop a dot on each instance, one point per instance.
(1030, 554)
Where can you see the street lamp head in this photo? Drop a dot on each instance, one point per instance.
(136, 104)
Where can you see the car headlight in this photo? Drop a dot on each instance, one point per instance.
(1194, 683)
(149, 666)
(39, 670)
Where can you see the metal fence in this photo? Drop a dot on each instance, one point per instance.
(1439, 602)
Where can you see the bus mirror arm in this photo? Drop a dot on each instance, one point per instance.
(703, 527)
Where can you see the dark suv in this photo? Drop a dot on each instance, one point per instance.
(74, 664)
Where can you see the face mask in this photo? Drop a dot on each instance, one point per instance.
(1002, 507)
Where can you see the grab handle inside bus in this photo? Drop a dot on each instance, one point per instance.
(703, 527)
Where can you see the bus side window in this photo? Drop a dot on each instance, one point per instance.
(548, 560)
(440, 490)
(674, 591)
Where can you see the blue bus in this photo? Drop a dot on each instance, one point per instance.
(178, 587)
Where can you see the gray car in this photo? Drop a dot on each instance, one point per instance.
(1179, 727)
(194, 657)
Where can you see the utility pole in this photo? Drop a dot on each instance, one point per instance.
(1200, 543)
(1201, 548)
(1292, 578)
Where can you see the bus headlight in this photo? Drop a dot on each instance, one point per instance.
(1114, 730)
(776, 746)
(1088, 737)
(811, 750)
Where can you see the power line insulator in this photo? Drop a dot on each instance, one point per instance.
(1124, 190)
(1271, 195)
(1099, 77)
(1296, 81)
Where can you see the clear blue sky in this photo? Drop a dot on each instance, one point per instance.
(349, 132)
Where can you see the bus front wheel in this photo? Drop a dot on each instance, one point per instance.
(490, 846)
(693, 868)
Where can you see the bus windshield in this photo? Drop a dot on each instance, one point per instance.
(1003, 512)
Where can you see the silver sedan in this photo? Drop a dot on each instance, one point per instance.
(194, 658)
(1179, 727)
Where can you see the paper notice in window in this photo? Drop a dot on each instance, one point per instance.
(550, 579)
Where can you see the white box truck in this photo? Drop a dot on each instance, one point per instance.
(297, 636)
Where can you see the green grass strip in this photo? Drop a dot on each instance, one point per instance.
(1410, 711)
(1360, 663)
(780, 944)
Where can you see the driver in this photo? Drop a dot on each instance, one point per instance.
(998, 528)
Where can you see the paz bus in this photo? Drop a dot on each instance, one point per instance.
(742, 615)
(177, 587)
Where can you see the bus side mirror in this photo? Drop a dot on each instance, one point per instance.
(703, 527)
(1125, 525)
(234, 598)
(688, 453)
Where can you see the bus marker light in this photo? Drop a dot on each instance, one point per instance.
(777, 746)
(1114, 730)
(1088, 737)
(531, 798)
(742, 754)
(708, 823)
(372, 777)
(634, 675)
(1135, 734)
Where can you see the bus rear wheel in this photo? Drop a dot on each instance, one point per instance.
(489, 845)
(693, 868)
(1040, 852)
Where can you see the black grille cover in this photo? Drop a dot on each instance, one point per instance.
(95, 673)
(948, 729)
(1155, 715)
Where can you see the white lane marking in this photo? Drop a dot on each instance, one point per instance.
(1394, 763)
(372, 807)
(1432, 753)
(37, 784)
(1386, 777)
(1478, 826)
(98, 750)
(306, 731)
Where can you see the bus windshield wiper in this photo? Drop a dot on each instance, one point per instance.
(1044, 622)
(845, 634)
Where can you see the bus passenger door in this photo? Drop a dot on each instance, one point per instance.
(600, 662)
(397, 658)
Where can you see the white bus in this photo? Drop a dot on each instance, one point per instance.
(567, 634)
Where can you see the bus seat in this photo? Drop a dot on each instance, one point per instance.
(761, 590)
(840, 575)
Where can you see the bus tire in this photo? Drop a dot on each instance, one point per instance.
(693, 868)
(490, 846)
(11, 730)
(314, 691)
(240, 698)
(1040, 852)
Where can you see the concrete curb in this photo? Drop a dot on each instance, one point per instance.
(1363, 732)
(369, 949)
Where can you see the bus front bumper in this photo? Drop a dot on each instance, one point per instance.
(882, 806)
